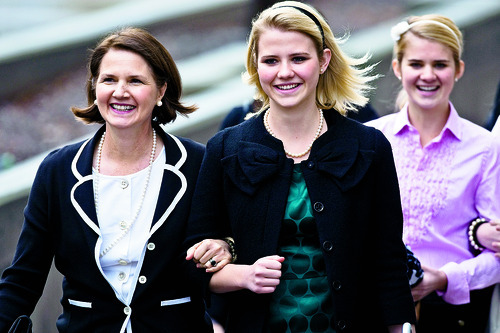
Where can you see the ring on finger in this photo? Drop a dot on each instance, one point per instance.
(213, 262)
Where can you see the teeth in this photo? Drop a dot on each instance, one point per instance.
(427, 88)
(122, 107)
(288, 86)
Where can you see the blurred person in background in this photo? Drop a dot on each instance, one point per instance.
(309, 196)
(448, 173)
(112, 211)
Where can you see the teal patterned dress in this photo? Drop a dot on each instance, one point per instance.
(302, 300)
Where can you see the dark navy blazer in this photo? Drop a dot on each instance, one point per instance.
(242, 192)
(60, 224)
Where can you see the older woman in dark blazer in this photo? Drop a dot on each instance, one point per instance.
(112, 211)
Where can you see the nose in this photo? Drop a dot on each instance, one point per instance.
(121, 90)
(285, 70)
(428, 73)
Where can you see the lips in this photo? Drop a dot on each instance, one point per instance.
(122, 107)
(428, 88)
(287, 86)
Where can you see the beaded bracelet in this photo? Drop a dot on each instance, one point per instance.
(473, 241)
(230, 242)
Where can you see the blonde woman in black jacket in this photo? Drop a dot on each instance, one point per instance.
(310, 197)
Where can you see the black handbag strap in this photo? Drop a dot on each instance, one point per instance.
(21, 325)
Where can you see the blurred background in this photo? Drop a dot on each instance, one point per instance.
(44, 47)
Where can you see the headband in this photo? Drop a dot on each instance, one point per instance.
(399, 29)
(312, 17)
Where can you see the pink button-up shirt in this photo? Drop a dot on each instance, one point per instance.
(444, 185)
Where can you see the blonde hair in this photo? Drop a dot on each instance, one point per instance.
(342, 86)
(434, 27)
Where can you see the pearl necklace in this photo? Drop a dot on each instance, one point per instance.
(139, 208)
(308, 149)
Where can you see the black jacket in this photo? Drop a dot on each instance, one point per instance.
(351, 179)
(61, 224)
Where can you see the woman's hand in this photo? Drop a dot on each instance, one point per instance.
(433, 280)
(212, 254)
(264, 275)
(488, 235)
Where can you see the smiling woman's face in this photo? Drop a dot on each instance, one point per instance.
(428, 73)
(288, 68)
(126, 90)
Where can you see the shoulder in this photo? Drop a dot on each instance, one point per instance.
(384, 123)
(368, 137)
(191, 145)
(248, 130)
(62, 155)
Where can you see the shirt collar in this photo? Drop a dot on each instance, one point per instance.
(452, 124)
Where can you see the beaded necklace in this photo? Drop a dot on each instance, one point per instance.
(139, 208)
(318, 132)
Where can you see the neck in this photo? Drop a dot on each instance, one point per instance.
(297, 132)
(293, 123)
(429, 123)
(126, 153)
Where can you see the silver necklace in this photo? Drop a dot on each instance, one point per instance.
(308, 149)
(143, 194)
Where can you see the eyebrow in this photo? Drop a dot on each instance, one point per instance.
(305, 53)
(438, 60)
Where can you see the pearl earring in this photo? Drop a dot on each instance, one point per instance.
(456, 79)
(95, 102)
(159, 103)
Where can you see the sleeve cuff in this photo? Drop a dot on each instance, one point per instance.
(457, 291)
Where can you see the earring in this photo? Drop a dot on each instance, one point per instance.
(159, 103)
(399, 78)
(95, 101)
(456, 79)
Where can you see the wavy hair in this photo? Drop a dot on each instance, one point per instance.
(344, 84)
(162, 66)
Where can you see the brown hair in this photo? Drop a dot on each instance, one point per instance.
(162, 66)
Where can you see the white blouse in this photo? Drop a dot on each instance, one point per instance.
(119, 198)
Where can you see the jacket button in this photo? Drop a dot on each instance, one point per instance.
(342, 325)
(127, 310)
(327, 246)
(151, 246)
(318, 206)
(142, 279)
(311, 164)
(337, 285)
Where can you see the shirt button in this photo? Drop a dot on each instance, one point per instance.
(123, 225)
(124, 183)
(123, 262)
(151, 246)
(142, 279)
(461, 323)
(127, 310)
(318, 206)
(122, 276)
